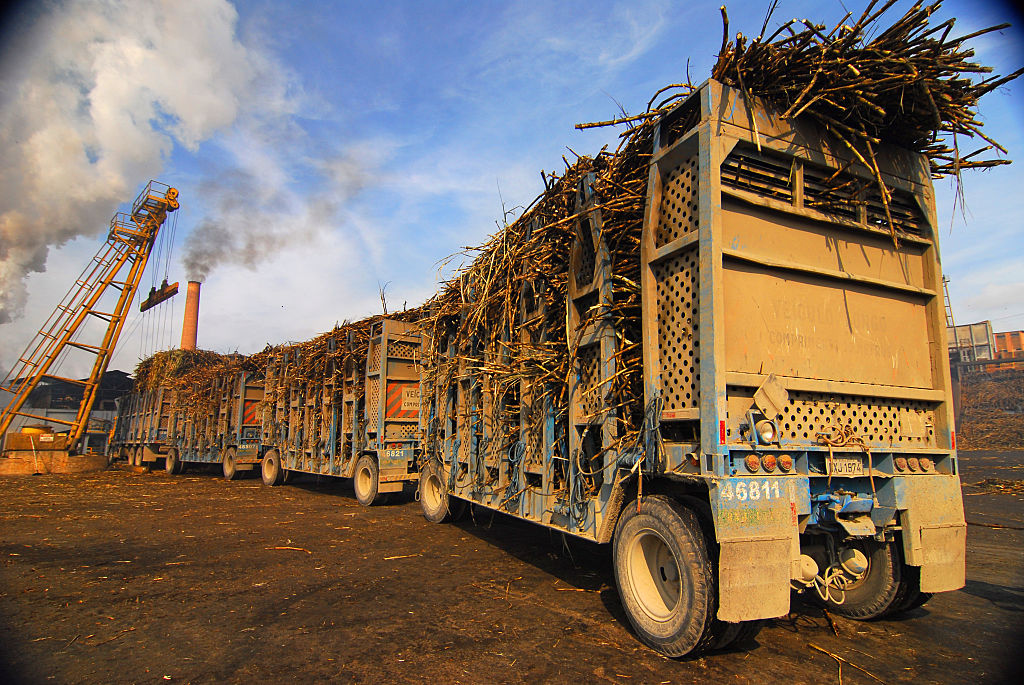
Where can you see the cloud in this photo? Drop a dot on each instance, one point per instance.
(556, 46)
(102, 95)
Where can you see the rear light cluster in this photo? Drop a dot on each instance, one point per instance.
(914, 464)
(768, 463)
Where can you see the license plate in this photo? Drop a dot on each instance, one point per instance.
(845, 466)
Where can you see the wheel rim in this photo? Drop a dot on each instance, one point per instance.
(268, 467)
(364, 481)
(432, 493)
(653, 575)
(853, 582)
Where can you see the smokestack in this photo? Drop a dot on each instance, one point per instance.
(190, 325)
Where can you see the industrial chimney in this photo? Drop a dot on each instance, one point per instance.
(190, 325)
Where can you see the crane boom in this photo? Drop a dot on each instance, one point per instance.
(126, 250)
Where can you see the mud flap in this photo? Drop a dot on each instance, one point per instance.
(944, 558)
(934, 530)
(753, 579)
(756, 527)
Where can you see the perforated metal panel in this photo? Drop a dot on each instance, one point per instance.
(533, 421)
(587, 256)
(400, 431)
(372, 403)
(374, 357)
(678, 213)
(905, 423)
(397, 348)
(678, 321)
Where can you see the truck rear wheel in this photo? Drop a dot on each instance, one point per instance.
(271, 469)
(172, 464)
(365, 481)
(438, 505)
(875, 593)
(231, 471)
(664, 578)
(726, 635)
(910, 596)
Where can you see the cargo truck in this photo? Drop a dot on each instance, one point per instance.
(358, 417)
(160, 426)
(226, 431)
(145, 428)
(797, 416)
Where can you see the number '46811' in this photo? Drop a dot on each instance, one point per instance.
(751, 490)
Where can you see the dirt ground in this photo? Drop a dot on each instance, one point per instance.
(145, 577)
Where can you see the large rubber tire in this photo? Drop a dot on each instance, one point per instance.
(665, 580)
(136, 459)
(365, 481)
(438, 505)
(172, 464)
(909, 596)
(726, 635)
(876, 592)
(228, 467)
(271, 469)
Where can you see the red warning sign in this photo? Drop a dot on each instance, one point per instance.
(402, 400)
(249, 413)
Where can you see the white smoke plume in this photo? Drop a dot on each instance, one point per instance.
(94, 95)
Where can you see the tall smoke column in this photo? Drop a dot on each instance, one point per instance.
(190, 325)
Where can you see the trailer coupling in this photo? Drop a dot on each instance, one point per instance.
(849, 510)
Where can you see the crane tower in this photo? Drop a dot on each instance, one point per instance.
(117, 265)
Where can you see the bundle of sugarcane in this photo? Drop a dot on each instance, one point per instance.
(195, 386)
(321, 360)
(168, 368)
(907, 84)
(476, 326)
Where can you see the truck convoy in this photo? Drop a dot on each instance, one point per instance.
(719, 350)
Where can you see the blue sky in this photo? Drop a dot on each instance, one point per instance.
(332, 147)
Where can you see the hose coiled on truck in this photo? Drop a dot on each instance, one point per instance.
(514, 489)
(648, 440)
(577, 492)
(453, 465)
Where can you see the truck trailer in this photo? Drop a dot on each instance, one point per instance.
(212, 417)
(795, 429)
(346, 406)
